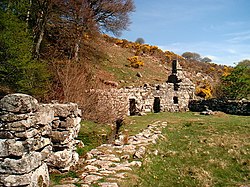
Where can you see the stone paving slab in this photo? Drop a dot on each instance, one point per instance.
(111, 163)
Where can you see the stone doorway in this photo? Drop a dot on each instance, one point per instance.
(132, 107)
(157, 105)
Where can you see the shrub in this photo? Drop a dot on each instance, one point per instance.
(76, 83)
(235, 83)
(204, 90)
(135, 62)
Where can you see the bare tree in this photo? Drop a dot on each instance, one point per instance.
(71, 19)
(41, 10)
(78, 85)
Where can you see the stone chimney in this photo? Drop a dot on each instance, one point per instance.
(173, 77)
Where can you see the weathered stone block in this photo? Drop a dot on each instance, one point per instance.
(6, 135)
(58, 137)
(10, 147)
(18, 103)
(65, 110)
(46, 130)
(10, 117)
(70, 122)
(45, 114)
(63, 159)
(27, 134)
(140, 153)
(36, 178)
(26, 164)
(22, 125)
(55, 124)
(37, 143)
(46, 152)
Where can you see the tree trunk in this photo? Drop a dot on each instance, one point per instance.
(39, 41)
(77, 47)
(28, 16)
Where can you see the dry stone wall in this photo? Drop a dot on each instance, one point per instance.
(34, 138)
(237, 107)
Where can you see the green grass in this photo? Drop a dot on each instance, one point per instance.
(92, 135)
(56, 178)
(198, 151)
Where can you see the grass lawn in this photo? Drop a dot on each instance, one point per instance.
(197, 151)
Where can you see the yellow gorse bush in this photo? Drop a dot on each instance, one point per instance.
(135, 62)
(143, 49)
(227, 71)
(205, 90)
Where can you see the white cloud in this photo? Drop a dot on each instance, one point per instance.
(220, 53)
(238, 37)
(232, 51)
(212, 57)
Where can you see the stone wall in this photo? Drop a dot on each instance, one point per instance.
(172, 96)
(237, 107)
(35, 137)
(159, 97)
(151, 97)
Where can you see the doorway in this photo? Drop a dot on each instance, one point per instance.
(132, 107)
(157, 105)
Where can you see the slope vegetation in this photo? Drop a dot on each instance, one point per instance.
(133, 64)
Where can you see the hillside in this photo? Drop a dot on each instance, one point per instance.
(108, 62)
(132, 64)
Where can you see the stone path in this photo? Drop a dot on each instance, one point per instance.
(110, 163)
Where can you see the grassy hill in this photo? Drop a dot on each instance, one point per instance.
(112, 62)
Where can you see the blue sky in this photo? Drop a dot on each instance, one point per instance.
(218, 29)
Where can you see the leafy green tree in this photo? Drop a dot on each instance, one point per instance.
(236, 85)
(245, 63)
(140, 41)
(206, 59)
(18, 71)
(191, 56)
(32, 31)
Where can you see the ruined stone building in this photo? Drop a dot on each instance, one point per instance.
(172, 96)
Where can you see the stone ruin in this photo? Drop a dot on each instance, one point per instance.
(35, 138)
(172, 96)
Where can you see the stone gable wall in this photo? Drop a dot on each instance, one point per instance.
(35, 137)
